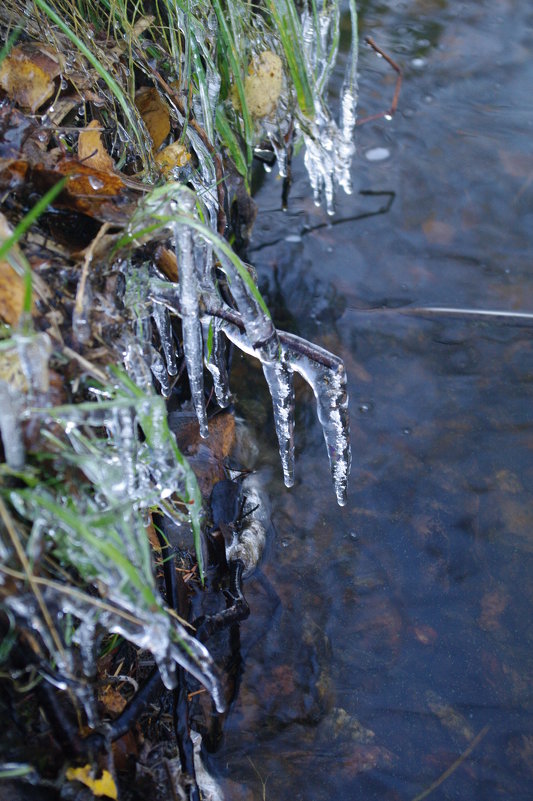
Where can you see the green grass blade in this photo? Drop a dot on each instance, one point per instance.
(230, 141)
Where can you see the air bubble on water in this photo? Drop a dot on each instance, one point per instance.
(377, 154)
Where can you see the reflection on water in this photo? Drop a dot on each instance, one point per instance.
(390, 641)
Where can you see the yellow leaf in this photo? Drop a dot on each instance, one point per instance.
(103, 786)
(27, 75)
(154, 113)
(91, 149)
(262, 85)
(175, 155)
(11, 283)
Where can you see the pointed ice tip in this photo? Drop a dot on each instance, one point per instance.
(204, 430)
(342, 497)
(288, 480)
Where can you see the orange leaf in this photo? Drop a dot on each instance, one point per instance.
(154, 113)
(91, 149)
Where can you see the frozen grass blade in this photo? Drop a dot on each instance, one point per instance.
(289, 30)
(235, 62)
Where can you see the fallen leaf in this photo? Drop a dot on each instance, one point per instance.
(103, 786)
(262, 85)
(168, 264)
(11, 283)
(112, 700)
(154, 113)
(93, 192)
(174, 155)
(27, 75)
(91, 149)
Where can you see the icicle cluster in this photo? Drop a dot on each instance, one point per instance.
(329, 148)
(207, 319)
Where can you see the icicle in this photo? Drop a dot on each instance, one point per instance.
(327, 378)
(216, 361)
(10, 426)
(34, 352)
(328, 382)
(162, 322)
(159, 370)
(281, 386)
(191, 327)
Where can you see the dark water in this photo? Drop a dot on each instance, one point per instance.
(402, 640)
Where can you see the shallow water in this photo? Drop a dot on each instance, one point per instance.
(393, 636)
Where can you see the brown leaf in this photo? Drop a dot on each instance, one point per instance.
(27, 75)
(93, 192)
(154, 113)
(112, 701)
(91, 149)
(167, 263)
(206, 456)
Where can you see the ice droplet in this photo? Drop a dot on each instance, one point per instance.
(96, 183)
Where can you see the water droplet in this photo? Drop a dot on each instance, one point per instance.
(364, 408)
(293, 238)
(96, 183)
(428, 98)
(418, 63)
(387, 117)
(377, 154)
(406, 431)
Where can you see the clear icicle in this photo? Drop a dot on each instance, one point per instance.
(159, 370)
(34, 352)
(328, 383)
(191, 327)
(327, 378)
(281, 386)
(216, 361)
(10, 426)
(162, 322)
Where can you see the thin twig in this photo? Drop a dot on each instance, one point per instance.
(78, 306)
(394, 105)
(447, 773)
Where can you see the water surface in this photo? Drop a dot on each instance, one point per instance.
(392, 638)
